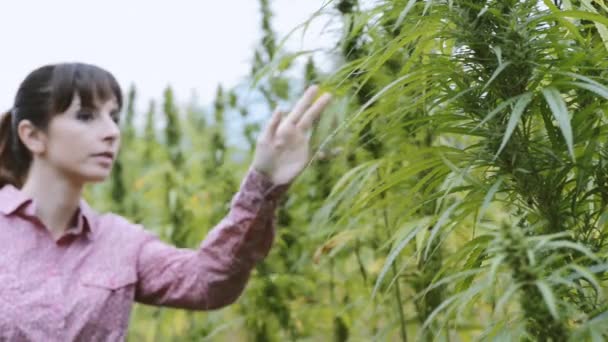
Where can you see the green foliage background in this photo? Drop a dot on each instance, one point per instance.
(458, 190)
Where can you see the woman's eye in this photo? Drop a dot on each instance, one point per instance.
(84, 116)
(116, 118)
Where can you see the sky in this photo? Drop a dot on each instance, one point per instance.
(191, 45)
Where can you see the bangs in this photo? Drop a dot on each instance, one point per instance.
(93, 85)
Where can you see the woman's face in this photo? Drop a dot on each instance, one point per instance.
(82, 143)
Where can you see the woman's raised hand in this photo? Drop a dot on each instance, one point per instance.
(282, 149)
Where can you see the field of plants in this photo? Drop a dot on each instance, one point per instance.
(458, 190)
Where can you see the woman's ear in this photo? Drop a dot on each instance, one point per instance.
(33, 138)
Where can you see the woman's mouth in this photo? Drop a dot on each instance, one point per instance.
(105, 158)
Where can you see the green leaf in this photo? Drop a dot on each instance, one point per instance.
(393, 255)
(476, 246)
(468, 273)
(587, 80)
(444, 217)
(496, 263)
(598, 89)
(584, 272)
(445, 304)
(371, 101)
(404, 13)
(560, 113)
(427, 5)
(518, 110)
(497, 72)
(582, 15)
(548, 296)
(550, 5)
(488, 198)
(570, 245)
(497, 110)
(504, 299)
(601, 29)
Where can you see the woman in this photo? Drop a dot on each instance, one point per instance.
(69, 273)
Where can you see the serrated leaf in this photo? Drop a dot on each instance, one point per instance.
(504, 299)
(393, 255)
(589, 276)
(582, 15)
(501, 68)
(600, 90)
(442, 219)
(560, 113)
(571, 245)
(548, 296)
(518, 110)
(488, 198)
(497, 110)
(404, 13)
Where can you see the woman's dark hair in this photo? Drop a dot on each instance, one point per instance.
(46, 92)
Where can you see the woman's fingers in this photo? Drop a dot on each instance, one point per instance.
(314, 111)
(303, 115)
(274, 123)
(303, 104)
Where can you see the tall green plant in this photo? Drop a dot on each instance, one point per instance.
(494, 83)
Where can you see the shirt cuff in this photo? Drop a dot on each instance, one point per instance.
(259, 182)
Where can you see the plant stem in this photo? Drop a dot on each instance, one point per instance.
(395, 274)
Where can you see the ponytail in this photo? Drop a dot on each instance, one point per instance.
(10, 165)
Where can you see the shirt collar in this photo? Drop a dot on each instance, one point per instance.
(13, 199)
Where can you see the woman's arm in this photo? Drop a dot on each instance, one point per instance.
(214, 275)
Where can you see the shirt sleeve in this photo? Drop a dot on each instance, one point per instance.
(215, 274)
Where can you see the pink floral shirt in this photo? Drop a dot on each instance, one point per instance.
(81, 287)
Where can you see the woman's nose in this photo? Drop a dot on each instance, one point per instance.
(111, 131)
